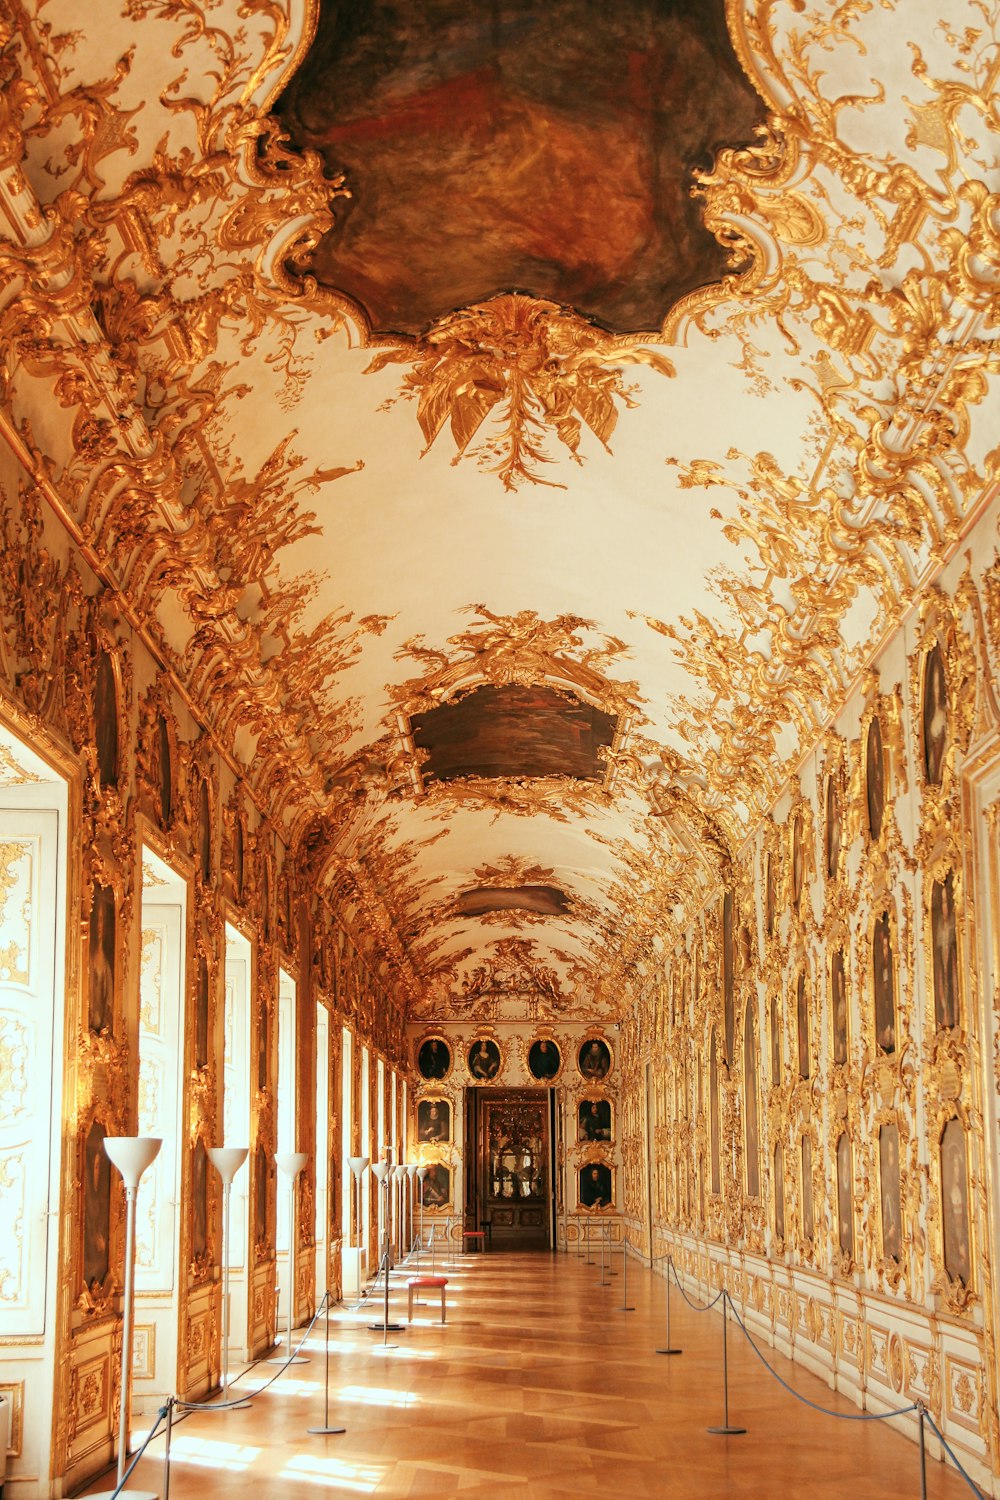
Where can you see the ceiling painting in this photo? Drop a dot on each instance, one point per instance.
(514, 146)
(513, 731)
(534, 900)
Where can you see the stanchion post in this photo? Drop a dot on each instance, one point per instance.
(605, 1278)
(166, 1449)
(670, 1348)
(726, 1430)
(625, 1307)
(326, 1429)
(923, 1451)
(589, 1261)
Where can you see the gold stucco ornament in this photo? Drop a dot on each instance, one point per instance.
(538, 369)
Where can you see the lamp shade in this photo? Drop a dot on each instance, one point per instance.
(381, 1169)
(399, 1172)
(358, 1165)
(132, 1154)
(411, 1169)
(421, 1173)
(227, 1160)
(291, 1162)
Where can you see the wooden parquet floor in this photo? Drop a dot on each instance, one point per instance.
(537, 1386)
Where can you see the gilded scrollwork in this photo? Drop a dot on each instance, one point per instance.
(532, 370)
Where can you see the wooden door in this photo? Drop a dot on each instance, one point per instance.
(513, 1181)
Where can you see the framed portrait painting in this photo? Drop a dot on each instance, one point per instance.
(594, 1059)
(593, 1120)
(101, 990)
(875, 779)
(435, 1190)
(96, 1208)
(544, 1059)
(433, 1121)
(106, 719)
(484, 1059)
(944, 949)
(838, 1006)
(884, 984)
(955, 1203)
(595, 1185)
(934, 716)
(888, 1171)
(434, 1058)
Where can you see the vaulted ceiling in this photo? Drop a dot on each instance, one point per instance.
(520, 423)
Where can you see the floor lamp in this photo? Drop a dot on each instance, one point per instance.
(411, 1172)
(131, 1154)
(227, 1161)
(398, 1176)
(291, 1164)
(359, 1166)
(383, 1172)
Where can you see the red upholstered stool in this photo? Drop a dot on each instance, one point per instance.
(477, 1237)
(414, 1284)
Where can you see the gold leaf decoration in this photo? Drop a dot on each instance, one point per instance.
(538, 369)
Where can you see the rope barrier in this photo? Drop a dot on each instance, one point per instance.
(292, 1354)
(161, 1416)
(951, 1454)
(844, 1416)
(695, 1306)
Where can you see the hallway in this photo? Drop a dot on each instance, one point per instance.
(539, 1385)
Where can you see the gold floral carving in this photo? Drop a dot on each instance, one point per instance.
(535, 371)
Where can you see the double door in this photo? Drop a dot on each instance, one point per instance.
(509, 1157)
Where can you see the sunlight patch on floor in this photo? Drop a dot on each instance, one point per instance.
(372, 1396)
(210, 1453)
(334, 1473)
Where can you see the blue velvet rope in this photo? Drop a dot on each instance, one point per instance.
(844, 1416)
(695, 1306)
(950, 1452)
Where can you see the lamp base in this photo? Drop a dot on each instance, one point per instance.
(288, 1359)
(386, 1327)
(326, 1431)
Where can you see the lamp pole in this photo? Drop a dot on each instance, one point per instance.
(131, 1154)
(291, 1163)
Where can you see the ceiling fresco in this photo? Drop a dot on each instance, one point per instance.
(508, 730)
(512, 146)
(684, 366)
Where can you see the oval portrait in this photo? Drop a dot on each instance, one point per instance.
(484, 1059)
(595, 1185)
(544, 1059)
(434, 1058)
(594, 1059)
